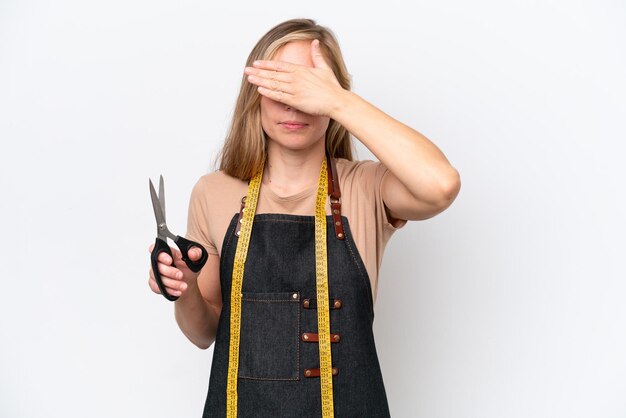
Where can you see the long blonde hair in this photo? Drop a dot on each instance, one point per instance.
(245, 149)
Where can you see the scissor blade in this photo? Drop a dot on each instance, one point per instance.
(156, 205)
(162, 196)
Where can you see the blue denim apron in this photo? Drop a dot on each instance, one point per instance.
(279, 357)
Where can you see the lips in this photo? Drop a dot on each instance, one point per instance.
(293, 124)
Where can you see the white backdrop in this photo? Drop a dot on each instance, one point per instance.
(509, 304)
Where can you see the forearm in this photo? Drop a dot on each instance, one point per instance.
(410, 156)
(196, 318)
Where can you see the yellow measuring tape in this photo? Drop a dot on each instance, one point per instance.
(321, 273)
(321, 283)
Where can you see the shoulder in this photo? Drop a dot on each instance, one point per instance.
(348, 165)
(216, 180)
(364, 172)
(215, 197)
(218, 183)
(217, 190)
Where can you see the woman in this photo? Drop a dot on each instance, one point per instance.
(287, 151)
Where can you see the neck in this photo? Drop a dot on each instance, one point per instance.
(288, 172)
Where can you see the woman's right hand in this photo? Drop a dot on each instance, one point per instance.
(177, 278)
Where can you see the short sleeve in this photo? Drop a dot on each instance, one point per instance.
(198, 219)
(370, 176)
(390, 223)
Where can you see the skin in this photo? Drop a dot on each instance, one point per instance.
(299, 85)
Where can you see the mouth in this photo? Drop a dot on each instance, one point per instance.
(293, 125)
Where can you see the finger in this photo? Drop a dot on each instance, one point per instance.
(316, 55)
(169, 271)
(280, 66)
(174, 285)
(270, 84)
(153, 285)
(276, 95)
(194, 253)
(165, 258)
(155, 288)
(151, 247)
(268, 74)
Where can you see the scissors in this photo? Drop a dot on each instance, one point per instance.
(161, 246)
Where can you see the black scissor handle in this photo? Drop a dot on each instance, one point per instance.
(184, 245)
(161, 246)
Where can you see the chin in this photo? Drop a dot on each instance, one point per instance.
(293, 142)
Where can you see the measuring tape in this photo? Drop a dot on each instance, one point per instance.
(235, 294)
(321, 283)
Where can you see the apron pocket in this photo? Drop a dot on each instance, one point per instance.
(270, 327)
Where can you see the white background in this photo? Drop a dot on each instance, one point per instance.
(512, 303)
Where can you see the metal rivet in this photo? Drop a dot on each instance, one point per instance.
(335, 211)
(241, 220)
(305, 337)
(340, 235)
(338, 223)
(306, 303)
(307, 372)
(337, 304)
(336, 337)
(335, 371)
(295, 296)
(238, 233)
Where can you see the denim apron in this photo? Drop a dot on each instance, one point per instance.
(278, 355)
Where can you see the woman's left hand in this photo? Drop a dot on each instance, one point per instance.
(313, 90)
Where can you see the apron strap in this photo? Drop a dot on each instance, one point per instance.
(334, 194)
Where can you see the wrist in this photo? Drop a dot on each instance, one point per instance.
(341, 104)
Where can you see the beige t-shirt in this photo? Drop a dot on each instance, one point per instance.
(216, 197)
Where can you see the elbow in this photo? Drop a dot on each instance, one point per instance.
(449, 188)
(203, 344)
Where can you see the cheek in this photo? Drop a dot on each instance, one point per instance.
(267, 114)
(323, 124)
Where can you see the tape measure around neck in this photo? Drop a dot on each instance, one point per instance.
(321, 274)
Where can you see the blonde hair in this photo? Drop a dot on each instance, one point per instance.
(244, 148)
